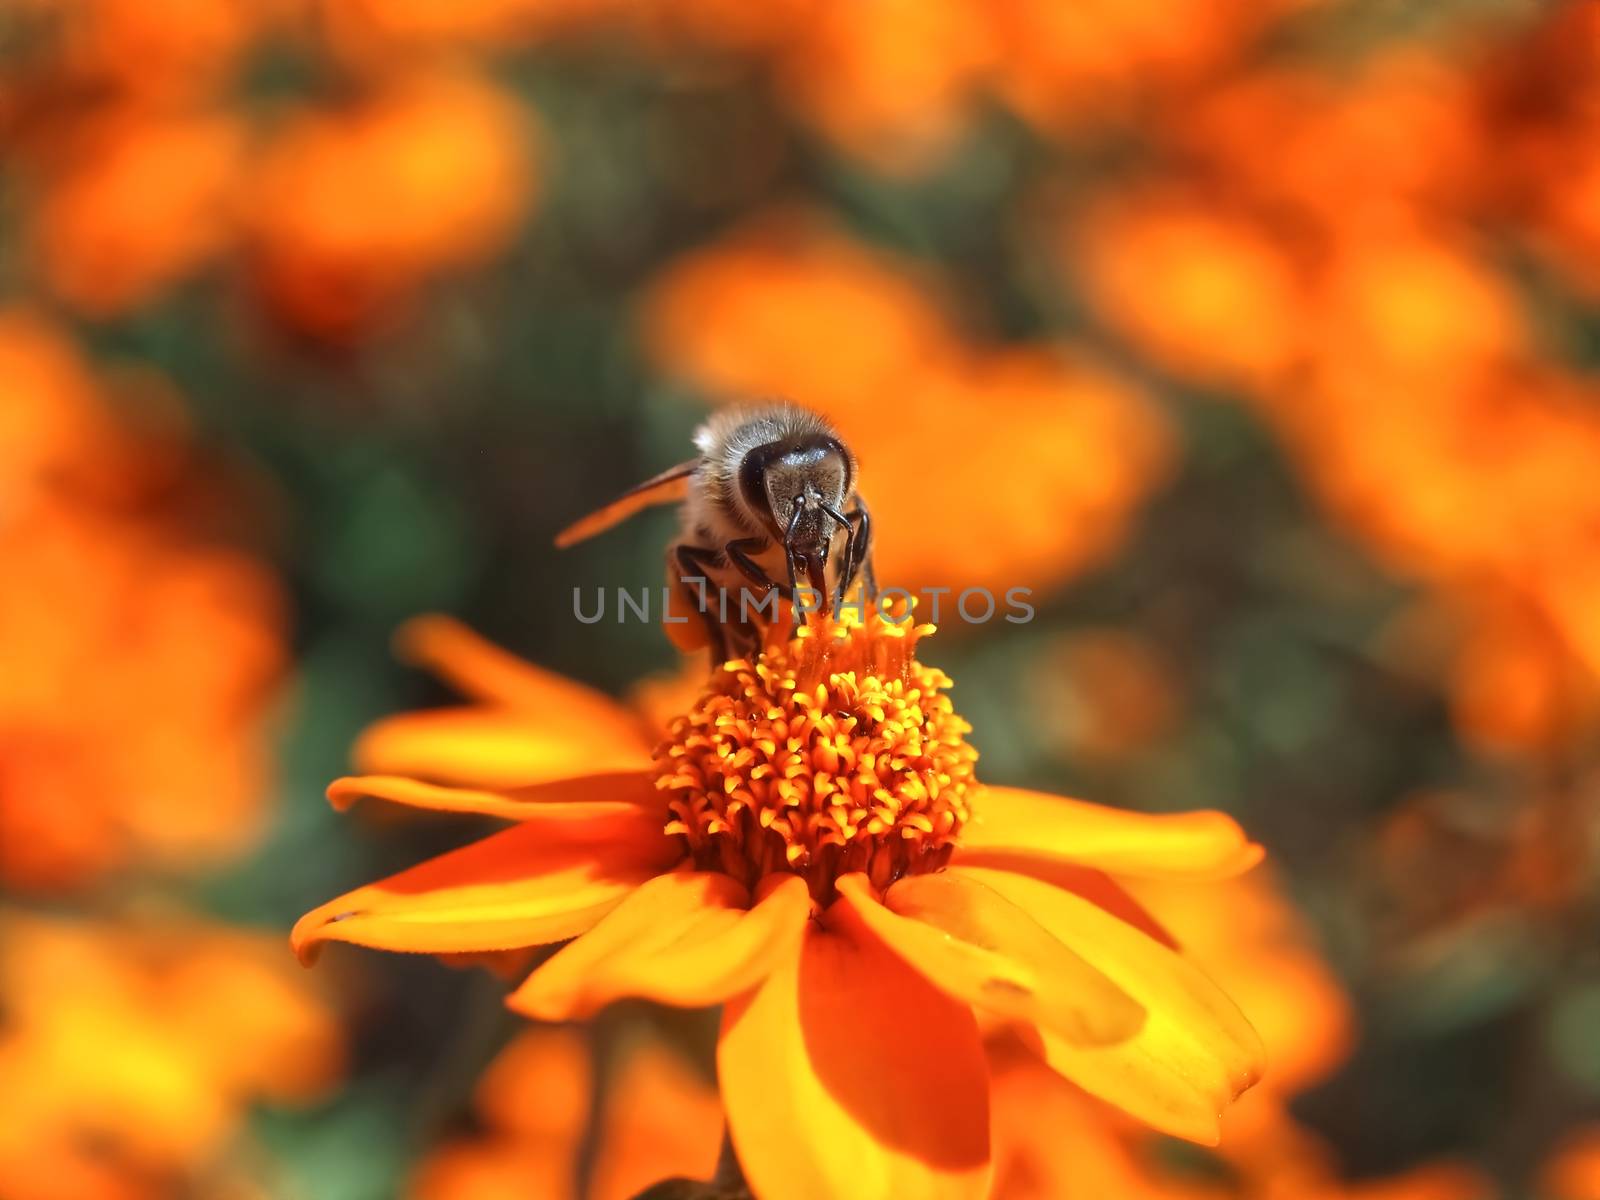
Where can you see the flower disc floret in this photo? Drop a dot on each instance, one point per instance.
(834, 751)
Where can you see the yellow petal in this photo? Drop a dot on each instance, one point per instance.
(985, 951)
(542, 881)
(847, 1074)
(494, 747)
(1195, 1053)
(686, 939)
(1100, 889)
(1012, 828)
(580, 799)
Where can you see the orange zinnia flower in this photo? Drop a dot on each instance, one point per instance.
(891, 81)
(656, 1119)
(1062, 66)
(355, 208)
(140, 659)
(1573, 1170)
(809, 846)
(1248, 936)
(131, 1052)
(1037, 1158)
(54, 430)
(135, 203)
(1059, 453)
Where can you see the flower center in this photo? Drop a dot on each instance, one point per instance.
(834, 751)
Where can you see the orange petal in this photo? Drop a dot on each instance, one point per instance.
(684, 939)
(1195, 1052)
(486, 672)
(542, 881)
(660, 1119)
(984, 950)
(584, 799)
(491, 747)
(1098, 888)
(847, 1074)
(1013, 827)
(1038, 1160)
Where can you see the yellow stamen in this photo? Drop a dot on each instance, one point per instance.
(831, 752)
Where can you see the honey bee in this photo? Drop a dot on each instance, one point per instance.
(769, 501)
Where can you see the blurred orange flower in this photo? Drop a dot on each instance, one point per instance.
(54, 430)
(1336, 285)
(657, 1120)
(1514, 683)
(889, 81)
(1206, 293)
(127, 161)
(382, 31)
(1497, 514)
(1065, 65)
(354, 209)
(1538, 104)
(135, 204)
(1052, 1144)
(139, 660)
(1224, 298)
(1573, 1171)
(777, 857)
(750, 313)
(130, 51)
(1377, 145)
(1244, 933)
(138, 668)
(1057, 453)
(131, 1052)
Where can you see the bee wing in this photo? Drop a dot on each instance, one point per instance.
(669, 486)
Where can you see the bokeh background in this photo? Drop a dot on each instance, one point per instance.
(1259, 337)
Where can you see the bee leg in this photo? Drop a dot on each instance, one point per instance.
(738, 553)
(692, 564)
(847, 555)
(860, 547)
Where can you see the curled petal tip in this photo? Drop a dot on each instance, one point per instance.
(307, 936)
(304, 938)
(534, 1001)
(1254, 1069)
(1228, 861)
(420, 628)
(424, 640)
(343, 793)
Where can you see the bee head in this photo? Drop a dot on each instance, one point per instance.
(787, 485)
(791, 485)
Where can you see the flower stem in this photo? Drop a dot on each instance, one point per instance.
(730, 1175)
